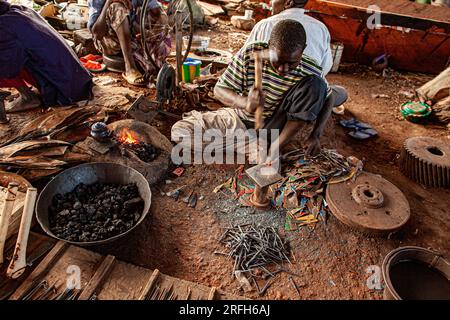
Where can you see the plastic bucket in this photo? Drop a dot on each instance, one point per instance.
(337, 48)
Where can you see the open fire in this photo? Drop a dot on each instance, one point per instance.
(131, 141)
(127, 136)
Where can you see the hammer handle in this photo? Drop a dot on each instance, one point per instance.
(18, 261)
(258, 86)
(5, 215)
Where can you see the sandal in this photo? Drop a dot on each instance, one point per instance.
(138, 81)
(94, 66)
(91, 57)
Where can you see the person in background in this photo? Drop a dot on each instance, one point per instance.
(317, 34)
(115, 26)
(33, 54)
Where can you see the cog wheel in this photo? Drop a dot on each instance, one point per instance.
(427, 161)
(370, 205)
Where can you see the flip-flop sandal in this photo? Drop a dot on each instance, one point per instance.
(135, 82)
(94, 66)
(371, 132)
(339, 110)
(354, 124)
(363, 134)
(91, 57)
(359, 135)
(349, 124)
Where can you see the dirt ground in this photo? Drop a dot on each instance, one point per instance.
(331, 259)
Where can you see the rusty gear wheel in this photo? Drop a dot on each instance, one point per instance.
(370, 205)
(427, 161)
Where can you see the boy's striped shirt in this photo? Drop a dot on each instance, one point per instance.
(240, 77)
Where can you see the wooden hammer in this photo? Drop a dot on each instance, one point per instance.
(259, 121)
(19, 261)
(259, 197)
(6, 214)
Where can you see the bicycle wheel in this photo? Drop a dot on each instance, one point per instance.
(172, 8)
(182, 8)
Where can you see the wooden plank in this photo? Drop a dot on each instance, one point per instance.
(41, 270)
(182, 287)
(210, 9)
(98, 279)
(149, 285)
(64, 271)
(125, 282)
(212, 293)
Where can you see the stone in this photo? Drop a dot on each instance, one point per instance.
(243, 23)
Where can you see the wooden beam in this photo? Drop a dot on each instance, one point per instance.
(149, 285)
(212, 293)
(210, 9)
(99, 278)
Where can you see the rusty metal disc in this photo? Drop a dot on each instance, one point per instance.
(370, 204)
(426, 160)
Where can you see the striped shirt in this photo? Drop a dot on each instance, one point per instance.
(240, 77)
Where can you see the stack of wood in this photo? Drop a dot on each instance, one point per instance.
(210, 9)
(232, 7)
(42, 147)
(437, 94)
(34, 159)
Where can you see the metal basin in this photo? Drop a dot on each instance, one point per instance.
(414, 273)
(88, 174)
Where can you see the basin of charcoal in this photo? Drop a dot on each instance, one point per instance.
(93, 203)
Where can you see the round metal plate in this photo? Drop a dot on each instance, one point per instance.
(389, 214)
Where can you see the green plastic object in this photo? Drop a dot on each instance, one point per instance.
(191, 70)
(415, 111)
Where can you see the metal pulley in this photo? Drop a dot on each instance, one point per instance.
(370, 204)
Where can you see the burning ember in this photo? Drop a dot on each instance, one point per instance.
(131, 141)
(128, 136)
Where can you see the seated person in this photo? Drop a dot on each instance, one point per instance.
(32, 53)
(293, 91)
(115, 25)
(317, 34)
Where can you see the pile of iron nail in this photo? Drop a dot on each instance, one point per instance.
(255, 249)
(44, 291)
(162, 293)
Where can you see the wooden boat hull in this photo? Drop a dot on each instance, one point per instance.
(416, 36)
